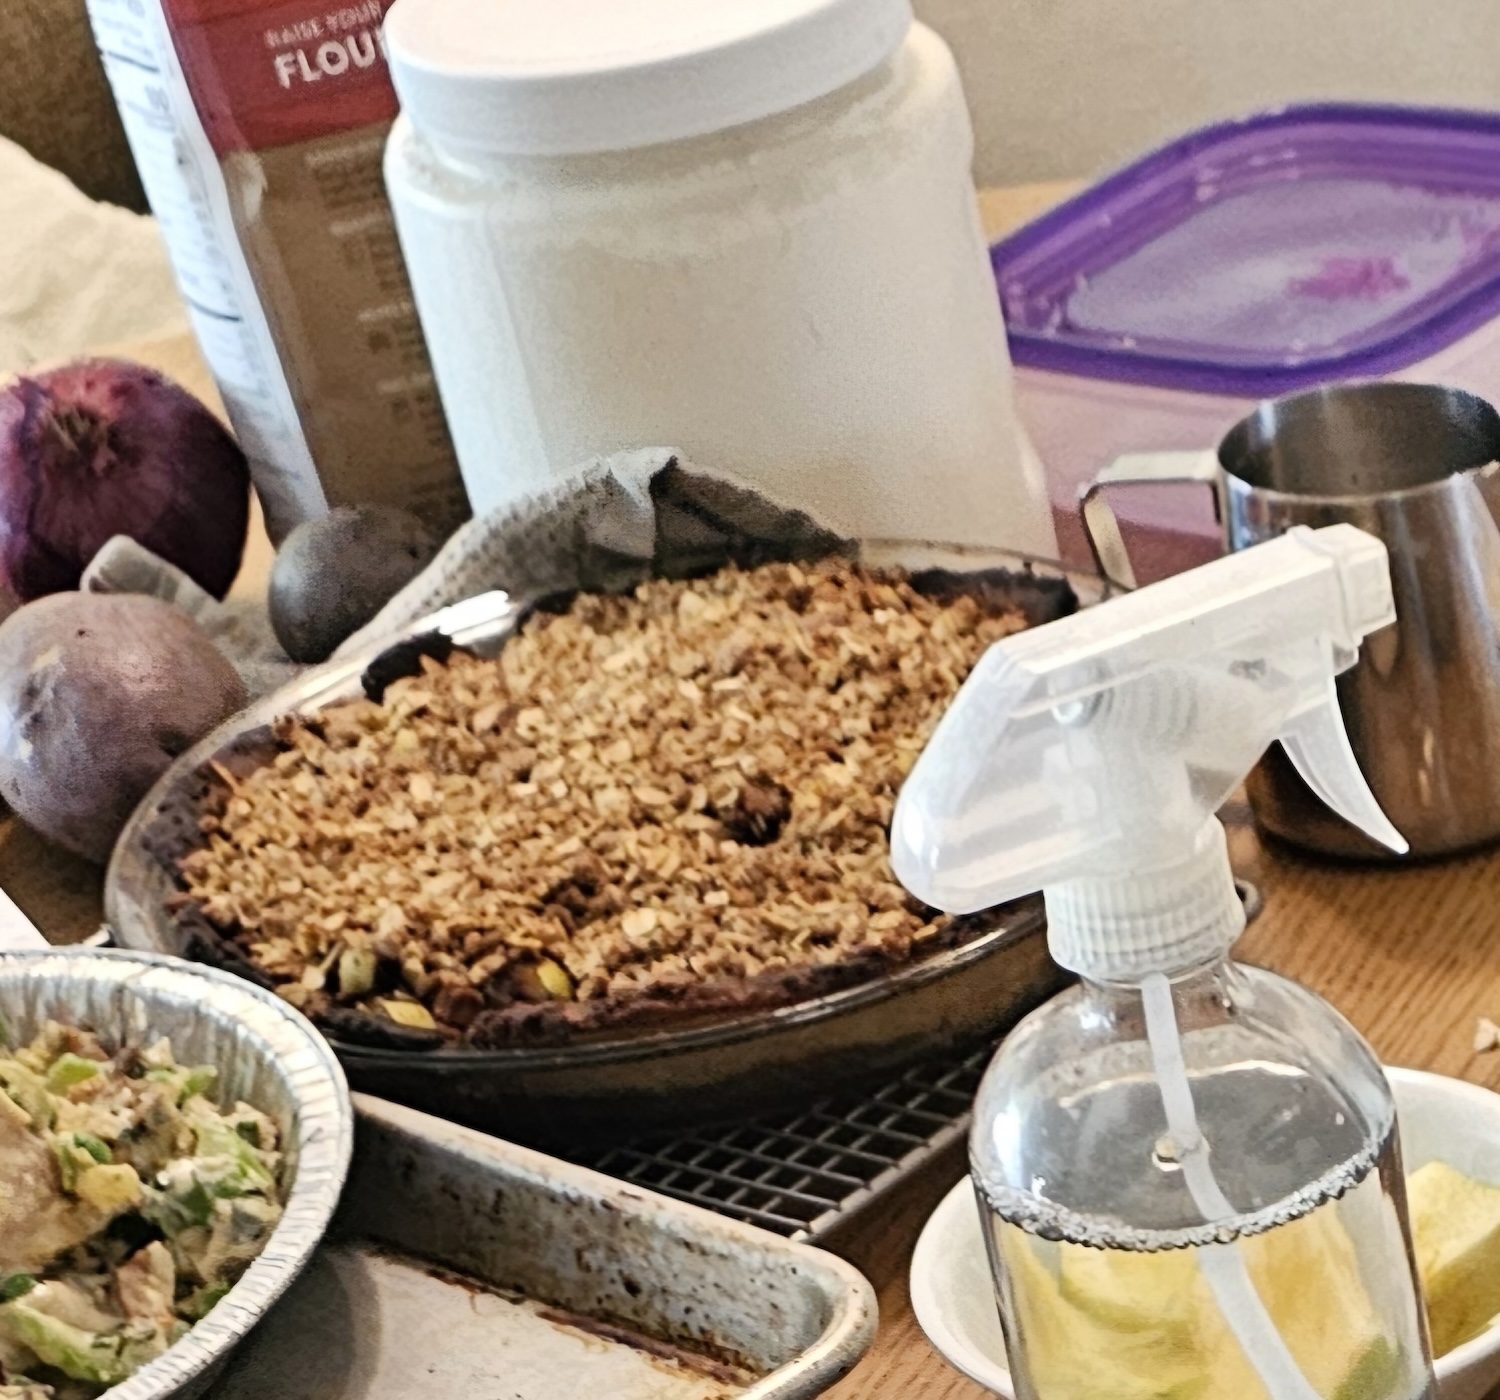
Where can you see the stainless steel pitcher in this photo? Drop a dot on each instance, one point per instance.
(1418, 466)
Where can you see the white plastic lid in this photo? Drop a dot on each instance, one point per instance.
(569, 77)
(1121, 928)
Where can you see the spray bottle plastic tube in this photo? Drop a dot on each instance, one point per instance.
(1223, 1265)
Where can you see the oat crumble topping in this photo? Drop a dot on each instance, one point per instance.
(689, 784)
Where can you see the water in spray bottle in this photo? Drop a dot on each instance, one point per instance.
(1189, 1170)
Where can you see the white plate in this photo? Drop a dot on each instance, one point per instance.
(954, 1300)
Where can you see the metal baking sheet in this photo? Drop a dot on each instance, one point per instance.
(461, 1265)
(619, 1083)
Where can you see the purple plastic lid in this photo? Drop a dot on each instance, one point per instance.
(1267, 255)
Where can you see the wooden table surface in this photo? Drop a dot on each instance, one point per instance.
(1410, 954)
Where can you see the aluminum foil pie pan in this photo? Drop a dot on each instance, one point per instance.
(266, 1053)
(613, 1083)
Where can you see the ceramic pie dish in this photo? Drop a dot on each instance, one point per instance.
(641, 1071)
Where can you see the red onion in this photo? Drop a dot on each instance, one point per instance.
(102, 448)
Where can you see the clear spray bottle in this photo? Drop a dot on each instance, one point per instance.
(1188, 1170)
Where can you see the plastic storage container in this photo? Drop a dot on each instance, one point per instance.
(745, 230)
(1249, 260)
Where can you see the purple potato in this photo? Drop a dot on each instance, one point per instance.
(98, 694)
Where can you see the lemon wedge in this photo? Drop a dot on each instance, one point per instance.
(1099, 1335)
(1147, 1327)
(1455, 1226)
(1308, 1276)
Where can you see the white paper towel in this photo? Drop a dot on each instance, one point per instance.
(76, 273)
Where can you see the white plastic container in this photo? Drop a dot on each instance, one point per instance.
(746, 230)
(1263, 257)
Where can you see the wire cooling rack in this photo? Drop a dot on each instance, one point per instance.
(804, 1173)
(801, 1173)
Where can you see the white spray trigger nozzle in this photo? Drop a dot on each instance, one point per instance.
(1315, 740)
(1092, 752)
(1318, 746)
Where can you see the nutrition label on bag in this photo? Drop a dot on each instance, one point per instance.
(179, 198)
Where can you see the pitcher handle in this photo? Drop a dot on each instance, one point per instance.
(1160, 468)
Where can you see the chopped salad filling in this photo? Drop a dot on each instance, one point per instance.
(130, 1202)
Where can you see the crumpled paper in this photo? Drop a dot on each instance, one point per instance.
(603, 528)
(77, 274)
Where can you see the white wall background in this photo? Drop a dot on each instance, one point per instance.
(1074, 87)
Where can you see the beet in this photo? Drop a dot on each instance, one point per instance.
(103, 448)
(335, 572)
(98, 694)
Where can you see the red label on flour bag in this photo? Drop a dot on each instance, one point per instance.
(260, 136)
(272, 75)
